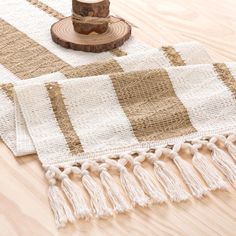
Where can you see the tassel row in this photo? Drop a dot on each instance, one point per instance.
(139, 187)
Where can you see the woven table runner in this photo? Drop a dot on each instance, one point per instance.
(109, 127)
(101, 124)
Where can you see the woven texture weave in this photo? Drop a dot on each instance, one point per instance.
(90, 117)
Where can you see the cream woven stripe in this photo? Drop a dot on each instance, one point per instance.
(47, 9)
(191, 53)
(61, 6)
(192, 56)
(214, 99)
(7, 124)
(6, 75)
(24, 144)
(45, 126)
(14, 130)
(96, 116)
(7, 129)
(147, 60)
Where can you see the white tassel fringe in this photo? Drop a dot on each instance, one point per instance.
(148, 184)
(206, 169)
(134, 191)
(170, 182)
(98, 199)
(61, 210)
(76, 198)
(191, 179)
(224, 163)
(230, 146)
(115, 196)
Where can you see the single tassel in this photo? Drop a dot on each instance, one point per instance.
(75, 197)
(59, 206)
(212, 178)
(98, 199)
(148, 184)
(61, 210)
(170, 182)
(224, 163)
(191, 179)
(134, 191)
(114, 194)
(231, 147)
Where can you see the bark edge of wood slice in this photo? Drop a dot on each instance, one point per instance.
(63, 33)
(95, 8)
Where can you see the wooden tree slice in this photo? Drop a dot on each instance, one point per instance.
(90, 8)
(97, 8)
(117, 33)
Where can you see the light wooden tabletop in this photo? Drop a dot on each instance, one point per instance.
(24, 208)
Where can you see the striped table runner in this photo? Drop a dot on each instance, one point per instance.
(94, 125)
(125, 113)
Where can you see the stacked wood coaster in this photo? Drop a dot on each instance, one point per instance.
(90, 28)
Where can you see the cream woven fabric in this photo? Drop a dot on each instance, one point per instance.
(92, 117)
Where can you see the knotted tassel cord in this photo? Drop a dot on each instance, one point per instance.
(137, 183)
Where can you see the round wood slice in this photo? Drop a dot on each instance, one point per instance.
(63, 34)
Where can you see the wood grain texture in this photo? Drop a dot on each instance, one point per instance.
(63, 33)
(24, 209)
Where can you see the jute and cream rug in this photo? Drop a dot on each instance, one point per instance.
(105, 125)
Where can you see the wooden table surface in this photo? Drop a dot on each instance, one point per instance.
(24, 209)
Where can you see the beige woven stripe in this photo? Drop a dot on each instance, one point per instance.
(47, 9)
(24, 57)
(8, 90)
(154, 111)
(62, 117)
(118, 52)
(225, 75)
(174, 57)
(27, 59)
(99, 68)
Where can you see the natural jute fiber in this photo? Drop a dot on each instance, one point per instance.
(106, 128)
